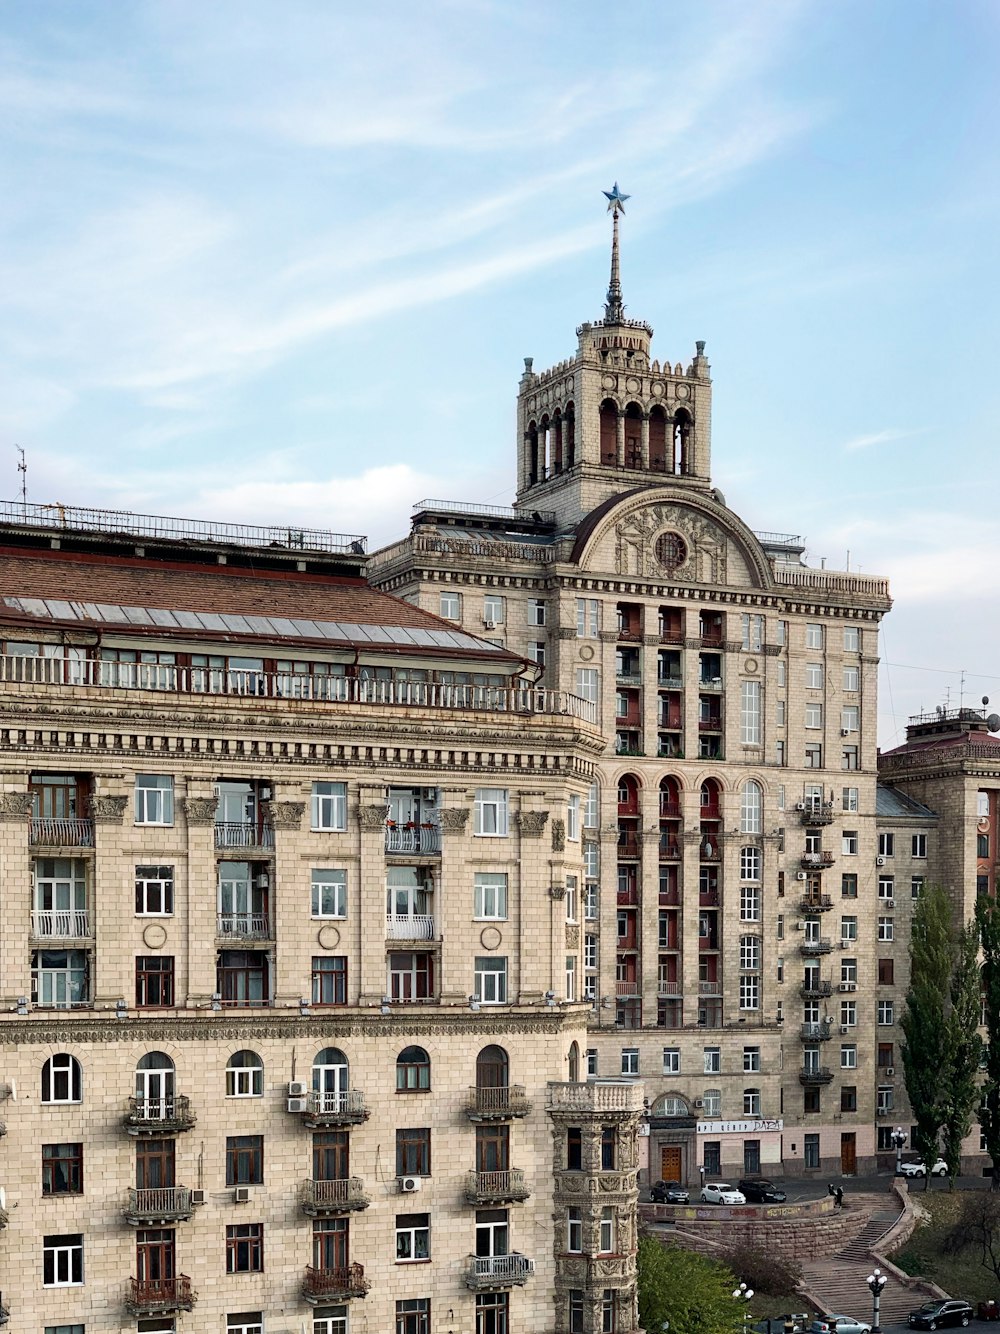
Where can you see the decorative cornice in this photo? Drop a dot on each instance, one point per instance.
(15, 805)
(559, 835)
(199, 810)
(285, 814)
(108, 810)
(453, 819)
(531, 823)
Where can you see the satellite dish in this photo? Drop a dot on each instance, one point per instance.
(986, 700)
(993, 722)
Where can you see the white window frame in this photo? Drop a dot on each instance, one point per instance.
(244, 1081)
(450, 605)
(814, 717)
(571, 977)
(886, 1013)
(328, 896)
(329, 807)
(630, 1060)
(64, 1259)
(573, 818)
(749, 991)
(850, 718)
(607, 1232)
(751, 1102)
(164, 890)
(750, 713)
(918, 846)
(588, 684)
(750, 864)
(588, 618)
(671, 1060)
(887, 844)
(494, 608)
(849, 799)
(849, 843)
(848, 1056)
(852, 639)
(886, 930)
(711, 1060)
(537, 611)
(751, 1060)
(749, 903)
(574, 1230)
(154, 800)
(814, 635)
(412, 1232)
(491, 812)
(814, 676)
(750, 953)
(852, 680)
(751, 807)
(849, 928)
(848, 1014)
(490, 979)
(489, 896)
(60, 1066)
(572, 898)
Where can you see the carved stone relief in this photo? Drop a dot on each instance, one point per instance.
(558, 835)
(108, 810)
(199, 810)
(454, 819)
(15, 805)
(531, 823)
(372, 817)
(285, 814)
(704, 546)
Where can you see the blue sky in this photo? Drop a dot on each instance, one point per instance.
(283, 261)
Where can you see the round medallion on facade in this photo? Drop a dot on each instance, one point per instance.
(328, 937)
(586, 652)
(671, 550)
(657, 389)
(750, 666)
(633, 385)
(683, 391)
(490, 938)
(608, 381)
(154, 935)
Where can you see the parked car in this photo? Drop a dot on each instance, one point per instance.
(934, 1314)
(758, 1190)
(839, 1324)
(668, 1192)
(720, 1192)
(919, 1169)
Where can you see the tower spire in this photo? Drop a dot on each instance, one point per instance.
(614, 307)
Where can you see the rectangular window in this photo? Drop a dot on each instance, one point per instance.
(750, 953)
(712, 1060)
(918, 845)
(850, 718)
(849, 886)
(779, 754)
(848, 1056)
(781, 632)
(886, 845)
(814, 716)
(885, 928)
(779, 673)
(571, 898)
(849, 928)
(814, 756)
(750, 713)
(413, 1152)
(494, 609)
(753, 632)
(885, 1099)
(245, 1248)
(154, 891)
(852, 639)
(413, 1238)
(490, 896)
(779, 715)
(329, 979)
(886, 1013)
(849, 798)
(886, 888)
(630, 1060)
(573, 819)
(916, 886)
(62, 1260)
(751, 1060)
(450, 606)
(588, 618)
(413, 1316)
(590, 901)
(749, 991)
(490, 982)
(849, 843)
(886, 972)
(852, 679)
(536, 611)
(62, 1169)
(671, 1060)
(849, 759)
(154, 799)
(814, 675)
(848, 1014)
(244, 1160)
(491, 812)
(154, 981)
(571, 977)
(749, 903)
(592, 808)
(810, 1151)
(329, 892)
(814, 636)
(411, 976)
(536, 651)
(329, 807)
(848, 1098)
(241, 1322)
(588, 684)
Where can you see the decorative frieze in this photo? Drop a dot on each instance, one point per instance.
(559, 835)
(372, 817)
(199, 810)
(15, 805)
(108, 810)
(285, 814)
(531, 823)
(453, 819)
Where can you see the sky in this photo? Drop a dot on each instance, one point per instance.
(272, 262)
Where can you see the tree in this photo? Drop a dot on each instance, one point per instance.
(924, 1024)
(965, 1048)
(988, 921)
(694, 1294)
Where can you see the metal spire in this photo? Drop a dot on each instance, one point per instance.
(614, 308)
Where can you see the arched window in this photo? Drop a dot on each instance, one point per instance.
(245, 1075)
(569, 436)
(413, 1070)
(62, 1079)
(633, 436)
(609, 432)
(713, 1102)
(657, 439)
(574, 1063)
(672, 1106)
(154, 1086)
(751, 808)
(491, 1068)
(531, 435)
(710, 808)
(330, 1079)
(682, 438)
(628, 795)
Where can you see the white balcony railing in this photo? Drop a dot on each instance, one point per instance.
(416, 838)
(413, 926)
(243, 834)
(248, 926)
(65, 924)
(52, 831)
(499, 1269)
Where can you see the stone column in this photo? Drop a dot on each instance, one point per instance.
(15, 858)
(539, 942)
(289, 890)
(202, 898)
(372, 954)
(644, 439)
(110, 902)
(620, 439)
(454, 980)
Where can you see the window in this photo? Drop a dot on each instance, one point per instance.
(490, 895)
(814, 715)
(779, 673)
(588, 618)
(411, 976)
(413, 1070)
(62, 1169)
(61, 1079)
(848, 1056)
(244, 1248)
(885, 1099)
(849, 886)
(329, 979)
(450, 606)
(571, 898)
(751, 808)
(413, 1238)
(849, 798)
(154, 891)
(671, 1060)
(848, 1013)
(241, 977)
(536, 611)
(79, 1329)
(886, 845)
(574, 1231)
(712, 1060)
(413, 1316)
(886, 971)
(243, 1322)
(749, 903)
(886, 889)
(491, 812)
(494, 608)
(154, 981)
(852, 679)
(850, 718)
(712, 1099)
(886, 1013)
(781, 632)
(849, 928)
(244, 1160)
(811, 1102)
(590, 951)
(779, 712)
(574, 1149)
(490, 984)
(814, 636)
(591, 1061)
(609, 1149)
(749, 992)
(413, 1152)
(62, 1260)
(750, 713)
(536, 651)
(154, 799)
(329, 892)
(749, 863)
(606, 1245)
(813, 756)
(810, 1151)
(750, 953)
(245, 1075)
(918, 845)
(588, 684)
(630, 1060)
(916, 886)
(849, 970)
(575, 1313)
(573, 819)
(329, 807)
(885, 928)
(849, 843)
(751, 1102)
(852, 639)
(848, 1098)
(571, 977)
(492, 1310)
(849, 759)
(814, 675)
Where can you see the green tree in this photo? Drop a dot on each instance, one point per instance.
(960, 1090)
(925, 1022)
(694, 1294)
(988, 921)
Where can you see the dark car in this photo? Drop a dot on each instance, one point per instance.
(759, 1190)
(668, 1192)
(934, 1314)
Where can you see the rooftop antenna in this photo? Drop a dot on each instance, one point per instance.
(22, 468)
(961, 688)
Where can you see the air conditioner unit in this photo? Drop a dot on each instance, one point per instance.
(197, 1197)
(296, 1088)
(889, 1072)
(409, 1184)
(845, 731)
(490, 625)
(298, 1104)
(889, 903)
(241, 1195)
(848, 986)
(801, 875)
(800, 805)
(844, 1030)
(879, 861)
(800, 926)
(699, 1102)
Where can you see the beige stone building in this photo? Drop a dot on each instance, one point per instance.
(729, 910)
(292, 1019)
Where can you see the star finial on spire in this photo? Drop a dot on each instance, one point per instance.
(616, 200)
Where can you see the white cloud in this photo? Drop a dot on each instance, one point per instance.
(889, 435)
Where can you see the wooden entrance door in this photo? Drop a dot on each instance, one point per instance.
(670, 1162)
(848, 1154)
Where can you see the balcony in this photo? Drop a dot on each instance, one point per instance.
(669, 988)
(335, 1109)
(159, 1116)
(815, 990)
(57, 832)
(815, 1074)
(497, 1271)
(628, 846)
(422, 839)
(163, 1205)
(245, 834)
(669, 747)
(496, 1187)
(710, 988)
(333, 1285)
(497, 1104)
(815, 1032)
(711, 724)
(596, 1099)
(625, 676)
(628, 897)
(628, 743)
(670, 849)
(816, 903)
(243, 926)
(629, 989)
(817, 861)
(319, 1199)
(670, 683)
(710, 683)
(160, 1296)
(816, 813)
(409, 926)
(60, 924)
(821, 945)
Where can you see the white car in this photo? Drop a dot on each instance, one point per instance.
(940, 1169)
(718, 1192)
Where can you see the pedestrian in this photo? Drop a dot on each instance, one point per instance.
(830, 1189)
(840, 1197)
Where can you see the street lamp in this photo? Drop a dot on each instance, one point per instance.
(743, 1295)
(899, 1138)
(876, 1281)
